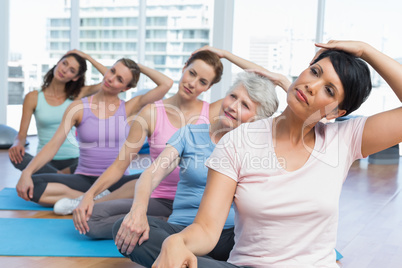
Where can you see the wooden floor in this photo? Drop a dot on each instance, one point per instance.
(370, 225)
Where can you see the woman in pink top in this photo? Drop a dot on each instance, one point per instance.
(285, 174)
(101, 123)
(158, 122)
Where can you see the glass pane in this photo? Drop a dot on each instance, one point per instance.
(109, 30)
(279, 35)
(377, 23)
(33, 31)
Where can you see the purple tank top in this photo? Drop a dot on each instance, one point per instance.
(157, 143)
(100, 140)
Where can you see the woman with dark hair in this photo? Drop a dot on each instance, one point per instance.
(102, 122)
(62, 84)
(285, 174)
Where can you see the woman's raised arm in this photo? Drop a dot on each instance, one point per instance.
(163, 84)
(382, 130)
(89, 90)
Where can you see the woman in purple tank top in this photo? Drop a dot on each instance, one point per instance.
(156, 121)
(102, 123)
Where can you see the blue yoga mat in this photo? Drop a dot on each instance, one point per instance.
(338, 255)
(135, 171)
(9, 200)
(51, 238)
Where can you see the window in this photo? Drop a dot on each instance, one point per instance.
(118, 34)
(159, 60)
(131, 33)
(118, 21)
(54, 34)
(27, 43)
(132, 21)
(131, 47)
(188, 34)
(106, 21)
(117, 46)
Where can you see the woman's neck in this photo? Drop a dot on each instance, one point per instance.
(182, 104)
(102, 96)
(217, 131)
(56, 89)
(289, 126)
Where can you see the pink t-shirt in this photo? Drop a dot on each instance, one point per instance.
(157, 143)
(286, 219)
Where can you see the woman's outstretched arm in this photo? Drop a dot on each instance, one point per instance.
(134, 227)
(70, 118)
(201, 236)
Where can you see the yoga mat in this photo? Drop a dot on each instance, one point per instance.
(9, 200)
(51, 238)
(338, 255)
(135, 171)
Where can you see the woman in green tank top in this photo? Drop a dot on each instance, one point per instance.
(62, 84)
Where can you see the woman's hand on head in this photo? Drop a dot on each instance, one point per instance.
(133, 229)
(355, 48)
(217, 51)
(78, 52)
(82, 213)
(25, 186)
(174, 253)
(276, 78)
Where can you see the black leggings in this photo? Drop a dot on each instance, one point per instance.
(74, 181)
(105, 214)
(51, 167)
(147, 253)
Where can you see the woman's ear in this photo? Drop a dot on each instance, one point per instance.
(76, 78)
(335, 114)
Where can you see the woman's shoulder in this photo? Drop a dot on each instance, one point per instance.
(32, 94)
(31, 99)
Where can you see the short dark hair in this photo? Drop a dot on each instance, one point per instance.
(211, 59)
(354, 75)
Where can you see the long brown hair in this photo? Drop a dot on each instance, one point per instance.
(72, 88)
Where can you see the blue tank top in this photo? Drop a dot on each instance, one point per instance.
(48, 119)
(100, 140)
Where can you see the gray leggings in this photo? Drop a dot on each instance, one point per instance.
(77, 182)
(105, 214)
(147, 253)
(51, 167)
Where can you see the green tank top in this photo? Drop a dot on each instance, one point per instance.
(48, 119)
